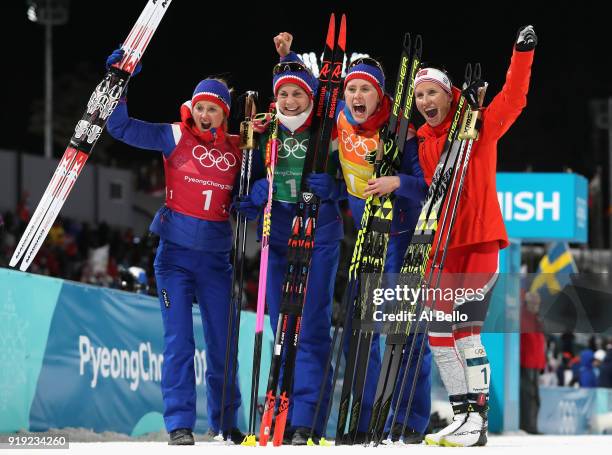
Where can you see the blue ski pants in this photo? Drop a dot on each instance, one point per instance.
(183, 274)
(315, 340)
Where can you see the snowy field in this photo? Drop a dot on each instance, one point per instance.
(513, 444)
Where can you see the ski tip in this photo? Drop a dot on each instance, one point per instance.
(407, 40)
(13, 262)
(418, 45)
(342, 34)
(331, 31)
(249, 441)
(468, 74)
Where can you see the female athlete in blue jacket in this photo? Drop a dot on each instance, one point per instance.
(201, 163)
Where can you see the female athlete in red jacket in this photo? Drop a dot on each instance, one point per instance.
(477, 236)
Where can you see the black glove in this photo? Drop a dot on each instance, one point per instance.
(471, 93)
(526, 39)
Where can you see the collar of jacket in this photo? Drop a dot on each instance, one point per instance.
(304, 125)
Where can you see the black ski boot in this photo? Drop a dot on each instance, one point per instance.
(288, 436)
(301, 435)
(412, 437)
(181, 437)
(234, 435)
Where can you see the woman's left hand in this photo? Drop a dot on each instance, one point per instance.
(382, 185)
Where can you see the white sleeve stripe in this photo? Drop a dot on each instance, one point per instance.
(176, 132)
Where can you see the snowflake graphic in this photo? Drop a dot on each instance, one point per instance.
(12, 351)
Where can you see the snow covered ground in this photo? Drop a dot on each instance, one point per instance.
(506, 444)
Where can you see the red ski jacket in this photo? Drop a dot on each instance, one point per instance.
(479, 218)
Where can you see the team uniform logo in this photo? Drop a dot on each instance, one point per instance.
(359, 145)
(213, 157)
(293, 147)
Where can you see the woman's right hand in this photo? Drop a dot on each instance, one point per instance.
(282, 42)
(246, 208)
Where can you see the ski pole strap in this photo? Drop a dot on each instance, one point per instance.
(478, 402)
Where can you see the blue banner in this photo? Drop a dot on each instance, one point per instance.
(566, 410)
(104, 350)
(544, 206)
(82, 356)
(26, 309)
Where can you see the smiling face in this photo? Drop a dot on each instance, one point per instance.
(292, 100)
(207, 115)
(432, 102)
(361, 98)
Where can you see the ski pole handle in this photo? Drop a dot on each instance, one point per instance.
(247, 136)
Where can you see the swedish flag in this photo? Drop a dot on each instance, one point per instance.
(554, 269)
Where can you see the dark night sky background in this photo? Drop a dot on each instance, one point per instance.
(197, 39)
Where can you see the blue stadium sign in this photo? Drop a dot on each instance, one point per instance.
(544, 206)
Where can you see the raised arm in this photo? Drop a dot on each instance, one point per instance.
(510, 101)
(161, 137)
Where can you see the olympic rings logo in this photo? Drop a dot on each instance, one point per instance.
(292, 146)
(214, 157)
(358, 144)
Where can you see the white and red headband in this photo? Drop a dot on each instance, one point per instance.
(433, 75)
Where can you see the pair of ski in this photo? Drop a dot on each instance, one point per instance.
(301, 241)
(367, 264)
(101, 105)
(247, 145)
(270, 164)
(438, 214)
